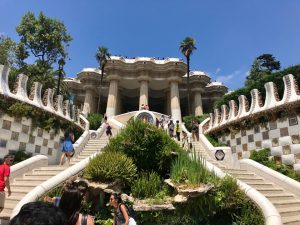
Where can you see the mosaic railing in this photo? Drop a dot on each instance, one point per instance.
(242, 111)
(55, 105)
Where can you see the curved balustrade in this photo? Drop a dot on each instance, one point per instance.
(58, 107)
(291, 95)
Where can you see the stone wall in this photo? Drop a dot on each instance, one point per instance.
(282, 136)
(272, 123)
(17, 134)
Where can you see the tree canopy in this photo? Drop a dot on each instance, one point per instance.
(44, 37)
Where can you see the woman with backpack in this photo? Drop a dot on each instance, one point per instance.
(121, 214)
(67, 147)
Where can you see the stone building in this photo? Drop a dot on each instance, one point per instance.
(158, 83)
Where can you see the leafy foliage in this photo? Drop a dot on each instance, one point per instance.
(95, 120)
(190, 170)
(262, 156)
(189, 119)
(150, 148)
(21, 155)
(7, 51)
(214, 141)
(111, 166)
(148, 185)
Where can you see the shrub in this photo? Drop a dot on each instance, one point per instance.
(261, 156)
(21, 155)
(190, 170)
(95, 120)
(147, 186)
(150, 147)
(214, 141)
(188, 120)
(111, 166)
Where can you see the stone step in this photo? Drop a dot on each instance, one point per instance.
(9, 205)
(251, 179)
(26, 182)
(259, 184)
(286, 203)
(38, 176)
(240, 173)
(21, 189)
(270, 190)
(52, 168)
(282, 196)
(291, 220)
(29, 179)
(45, 172)
(289, 211)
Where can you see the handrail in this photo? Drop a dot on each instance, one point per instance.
(27, 165)
(270, 213)
(51, 183)
(290, 184)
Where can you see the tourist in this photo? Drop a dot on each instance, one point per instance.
(177, 130)
(104, 120)
(162, 121)
(142, 107)
(171, 128)
(185, 142)
(68, 150)
(39, 213)
(108, 130)
(70, 204)
(4, 178)
(121, 215)
(195, 131)
(146, 107)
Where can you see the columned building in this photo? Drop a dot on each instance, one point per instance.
(159, 83)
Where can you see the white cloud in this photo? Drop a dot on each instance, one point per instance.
(218, 70)
(225, 79)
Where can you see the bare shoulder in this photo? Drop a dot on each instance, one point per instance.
(90, 220)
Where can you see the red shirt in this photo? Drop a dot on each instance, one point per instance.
(4, 172)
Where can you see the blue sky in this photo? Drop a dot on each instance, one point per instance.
(229, 34)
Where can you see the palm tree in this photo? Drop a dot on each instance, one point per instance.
(187, 46)
(61, 73)
(101, 56)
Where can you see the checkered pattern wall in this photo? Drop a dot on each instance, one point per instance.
(281, 136)
(18, 134)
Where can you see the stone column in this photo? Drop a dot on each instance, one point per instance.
(112, 95)
(175, 100)
(143, 93)
(198, 103)
(144, 83)
(88, 101)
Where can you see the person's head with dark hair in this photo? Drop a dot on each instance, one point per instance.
(70, 204)
(67, 133)
(39, 213)
(8, 159)
(115, 199)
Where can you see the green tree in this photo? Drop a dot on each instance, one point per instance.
(187, 46)
(101, 56)
(46, 39)
(268, 62)
(7, 50)
(60, 73)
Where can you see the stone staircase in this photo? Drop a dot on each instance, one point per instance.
(287, 204)
(20, 186)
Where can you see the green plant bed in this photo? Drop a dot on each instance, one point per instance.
(40, 118)
(94, 120)
(214, 141)
(109, 167)
(262, 157)
(189, 119)
(150, 148)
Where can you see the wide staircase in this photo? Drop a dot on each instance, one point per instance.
(287, 204)
(20, 186)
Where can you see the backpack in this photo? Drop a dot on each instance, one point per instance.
(131, 212)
